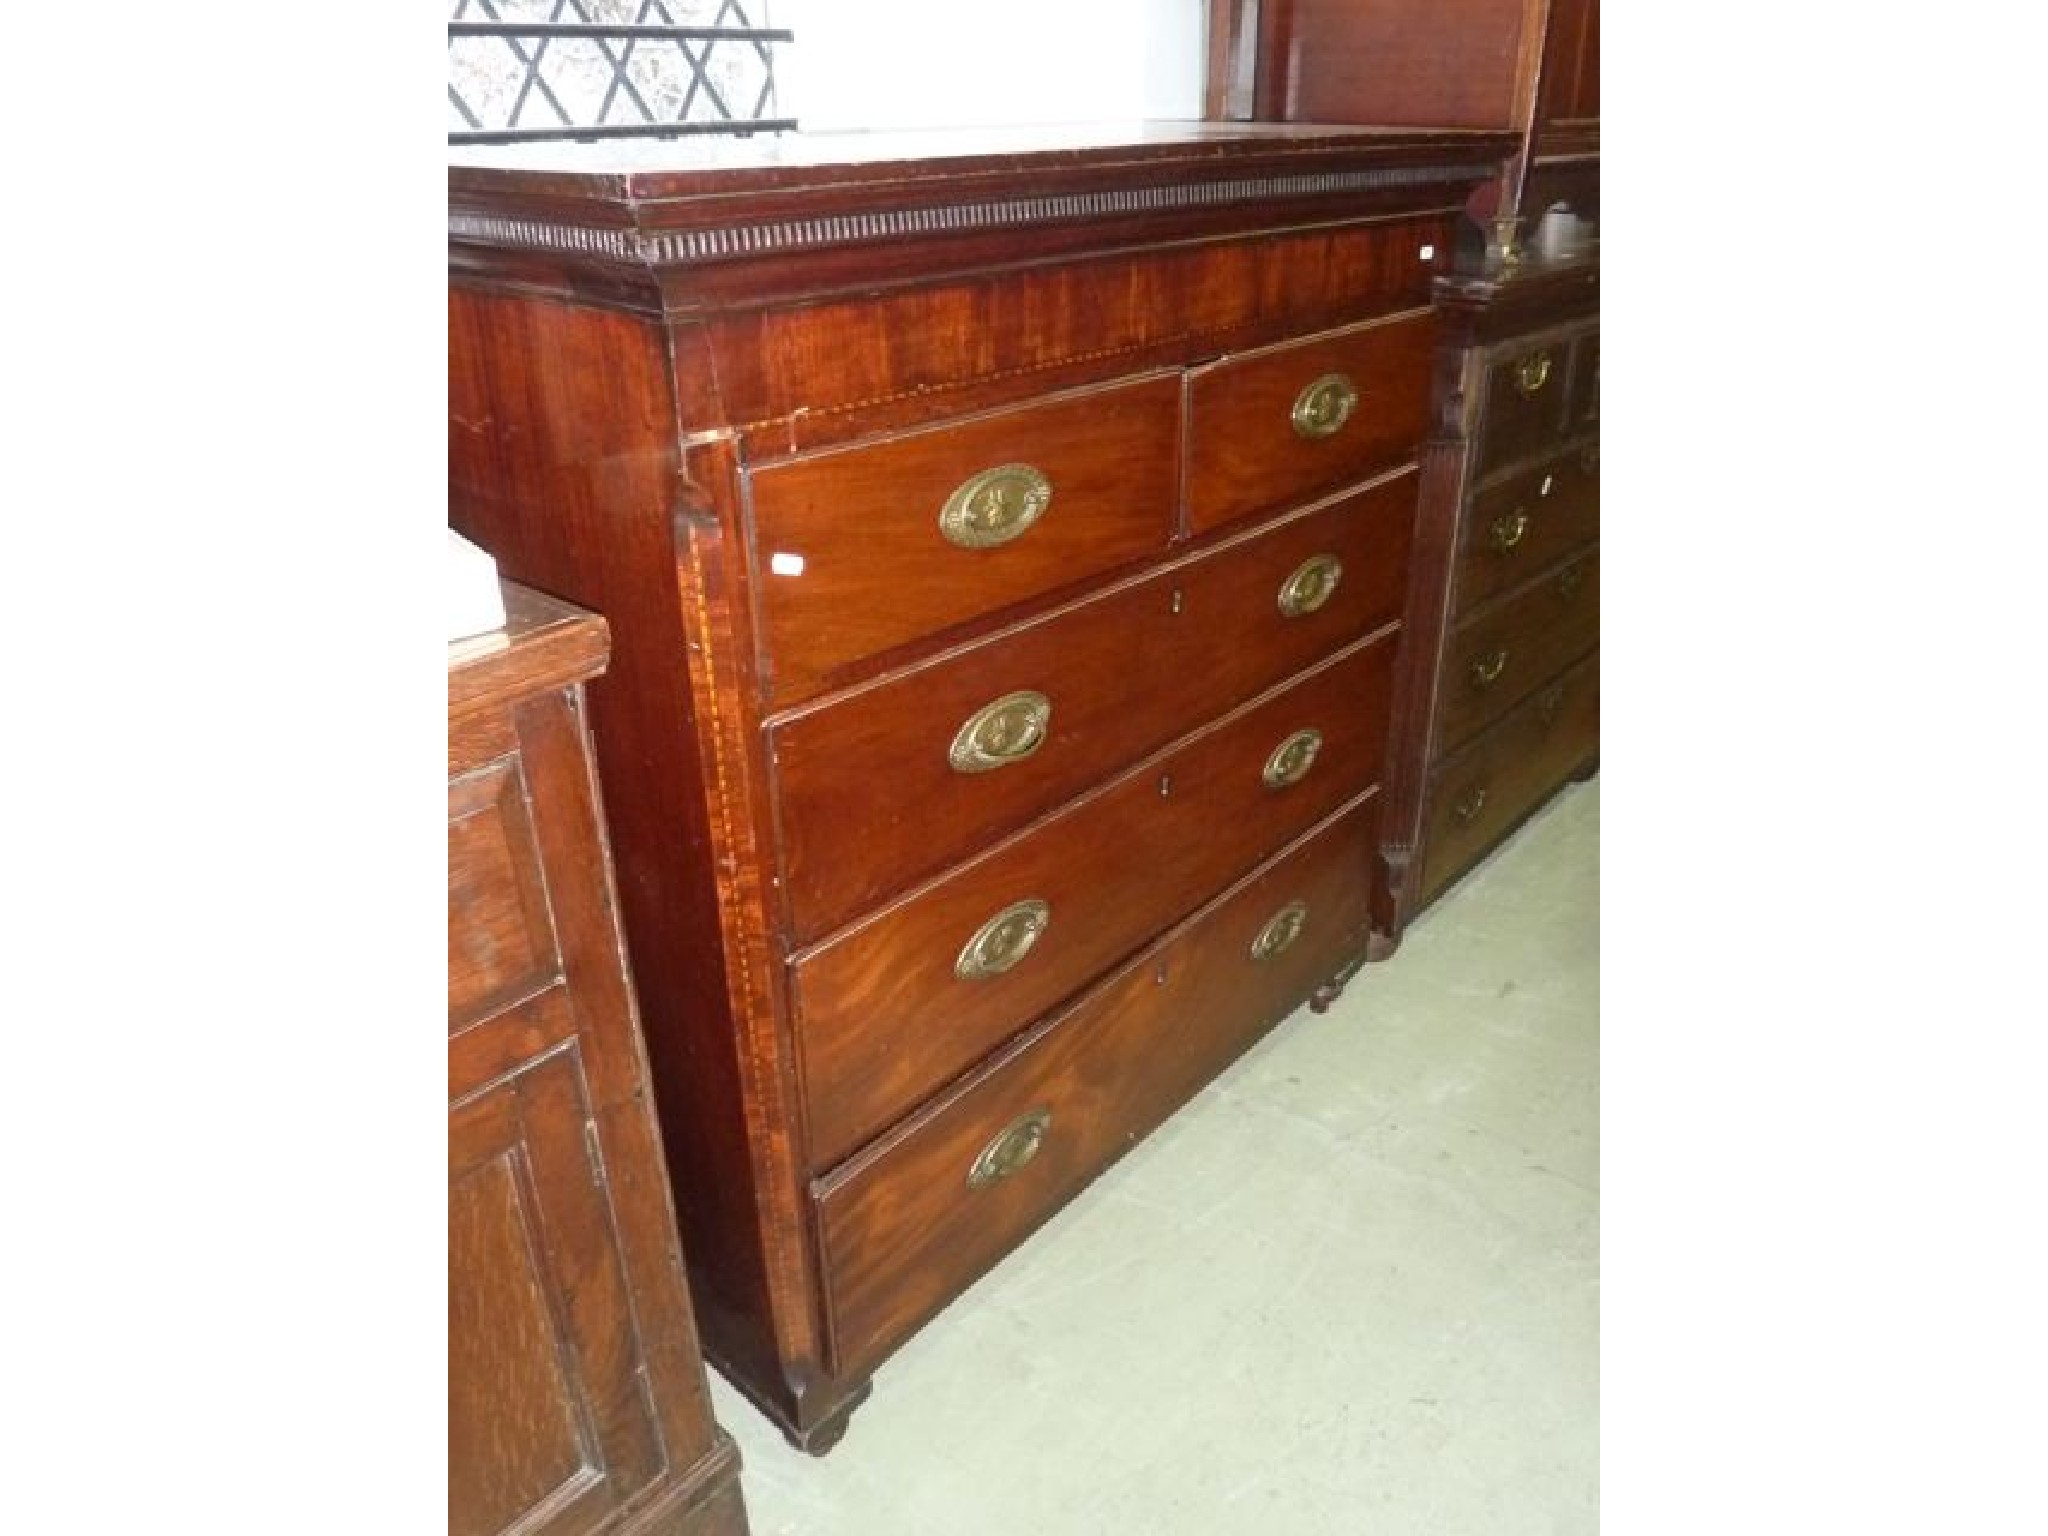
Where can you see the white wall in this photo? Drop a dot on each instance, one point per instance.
(960, 63)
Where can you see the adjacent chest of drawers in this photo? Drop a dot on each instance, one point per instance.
(576, 1399)
(1509, 568)
(1007, 550)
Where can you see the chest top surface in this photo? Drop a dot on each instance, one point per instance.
(681, 226)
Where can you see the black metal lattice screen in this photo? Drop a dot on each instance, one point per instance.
(586, 69)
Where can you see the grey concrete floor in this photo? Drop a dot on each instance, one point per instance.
(1352, 1288)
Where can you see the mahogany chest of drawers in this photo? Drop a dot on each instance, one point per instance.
(576, 1399)
(1006, 546)
(1508, 569)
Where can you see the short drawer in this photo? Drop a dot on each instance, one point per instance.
(1524, 412)
(891, 1009)
(1479, 793)
(501, 939)
(1495, 659)
(1513, 530)
(860, 551)
(912, 1221)
(1268, 428)
(891, 783)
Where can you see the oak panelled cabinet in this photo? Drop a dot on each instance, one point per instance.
(1007, 546)
(576, 1399)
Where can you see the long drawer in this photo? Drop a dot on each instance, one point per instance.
(918, 1216)
(1495, 658)
(890, 784)
(1531, 520)
(1271, 426)
(1479, 793)
(897, 1006)
(858, 551)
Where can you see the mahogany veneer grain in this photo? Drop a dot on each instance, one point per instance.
(669, 365)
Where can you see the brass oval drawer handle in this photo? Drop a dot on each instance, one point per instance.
(1470, 806)
(1003, 940)
(1569, 581)
(1014, 1146)
(994, 506)
(1324, 405)
(1309, 586)
(1281, 930)
(1293, 758)
(1550, 706)
(1532, 373)
(1003, 731)
(1488, 669)
(1507, 531)
(1589, 459)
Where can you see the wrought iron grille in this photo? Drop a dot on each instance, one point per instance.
(591, 69)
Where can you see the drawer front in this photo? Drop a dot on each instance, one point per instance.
(1525, 402)
(1477, 794)
(1269, 428)
(1496, 659)
(902, 1004)
(1515, 529)
(1583, 411)
(501, 940)
(863, 550)
(870, 800)
(910, 1223)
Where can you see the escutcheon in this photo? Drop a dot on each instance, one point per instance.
(1014, 1146)
(1003, 940)
(995, 506)
(1281, 930)
(1003, 731)
(1292, 759)
(1323, 406)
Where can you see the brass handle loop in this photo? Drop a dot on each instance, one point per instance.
(1281, 930)
(1469, 807)
(1532, 372)
(1292, 759)
(1013, 1146)
(1310, 585)
(1486, 670)
(995, 506)
(1508, 531)
(1570, 580)
(1324, 405)
(1003, 940)
(1003, 731)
